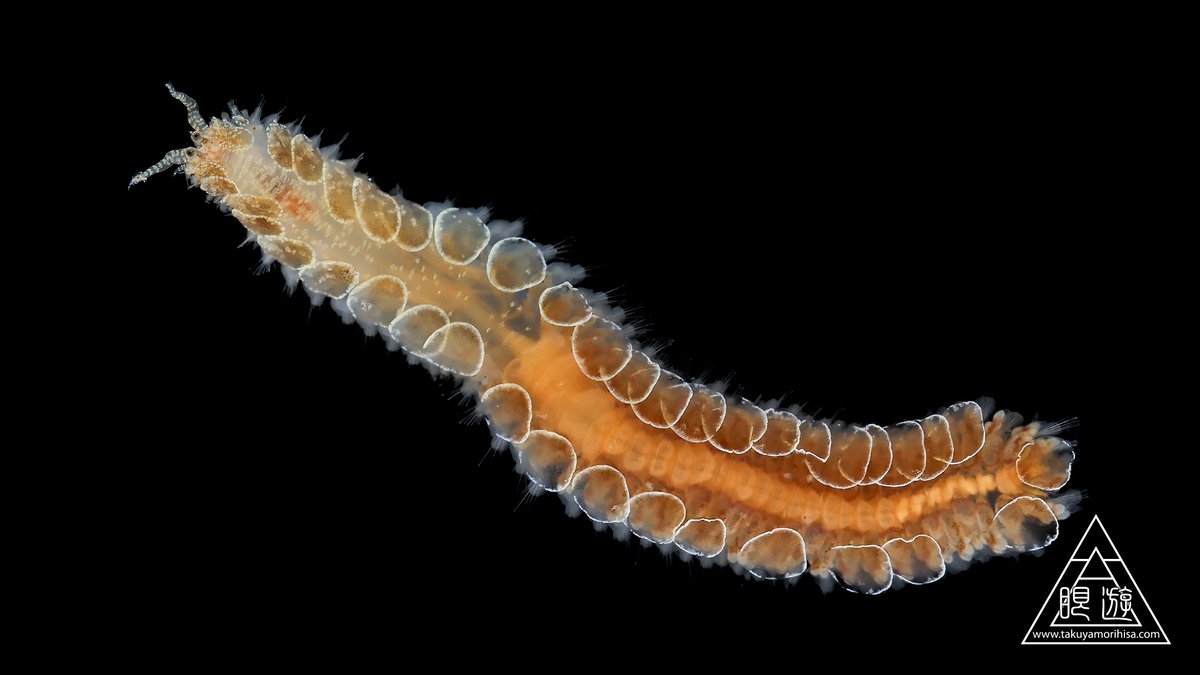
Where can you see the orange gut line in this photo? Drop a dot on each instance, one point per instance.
(773, 491)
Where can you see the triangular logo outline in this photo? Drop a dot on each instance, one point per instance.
(1108, 565)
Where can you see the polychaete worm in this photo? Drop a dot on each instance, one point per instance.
(591, 415)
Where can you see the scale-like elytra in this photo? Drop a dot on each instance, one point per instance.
(908, 454)
(881, 454)
(307, 160)
(704, 537)
(329, 277)
(772, 490)
(378, 300)
(636, 380)
(704, 415)
(279, 145)
(457, 347)
(917, 560)
(289, 252)
(548, 458)
(939, 446)
(848, 460)
(515, 264)
(815, 440)
(509, 410)
(668, 398)
(460, 236)
(602, 493)
(863, 569)
(416, 226)
(1045, 463)
(413, 327)
(778, 554)
(261, 225)
(600, 348)
(656, 516)
(254, 205)
(339, 192)
(564, 305)
(966, 429)
(744, 424)
(1026, 524)
(376, 211)
(782, 435)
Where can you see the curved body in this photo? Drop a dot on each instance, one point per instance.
(591, 415)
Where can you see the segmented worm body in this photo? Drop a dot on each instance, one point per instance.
(593, 417)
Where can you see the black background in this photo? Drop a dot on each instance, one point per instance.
(875, 242)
